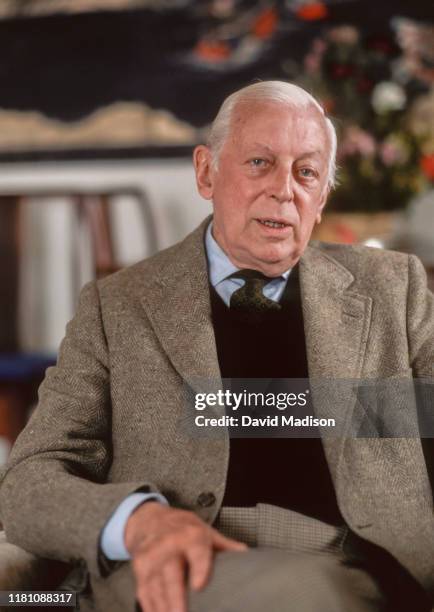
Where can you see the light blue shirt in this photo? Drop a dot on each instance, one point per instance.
(219, 268)
(112, 537)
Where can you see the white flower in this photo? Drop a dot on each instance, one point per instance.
(388, 96)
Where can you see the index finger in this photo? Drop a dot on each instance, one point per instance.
(221, 542)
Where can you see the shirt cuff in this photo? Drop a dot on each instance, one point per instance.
(112, 537)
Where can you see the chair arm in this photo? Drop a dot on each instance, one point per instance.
(21, 570)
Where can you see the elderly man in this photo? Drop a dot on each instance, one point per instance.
(104, 474)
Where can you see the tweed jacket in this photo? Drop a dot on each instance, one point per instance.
(107, 419)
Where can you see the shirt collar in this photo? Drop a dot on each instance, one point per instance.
(219, 264)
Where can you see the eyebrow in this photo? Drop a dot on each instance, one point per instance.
(311, 154)
(316, 153)
(262, 146)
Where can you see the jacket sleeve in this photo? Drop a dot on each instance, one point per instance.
(420, 321)
(54, 498)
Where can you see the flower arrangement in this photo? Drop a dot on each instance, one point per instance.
(383, 94)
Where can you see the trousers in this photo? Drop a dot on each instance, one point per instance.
(294, 563)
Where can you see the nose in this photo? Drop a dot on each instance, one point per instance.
(281, 184)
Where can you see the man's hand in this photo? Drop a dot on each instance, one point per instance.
(167, 545)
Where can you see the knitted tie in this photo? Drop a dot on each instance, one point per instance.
(250, 297)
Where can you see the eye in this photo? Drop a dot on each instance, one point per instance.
(258, 162)
(307, 172)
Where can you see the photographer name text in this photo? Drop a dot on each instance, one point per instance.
(278, 420)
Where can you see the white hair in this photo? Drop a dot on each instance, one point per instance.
(269, 91)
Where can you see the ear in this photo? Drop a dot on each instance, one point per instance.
(202, 160)
(323, 201)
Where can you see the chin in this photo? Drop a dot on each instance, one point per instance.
(277, 256)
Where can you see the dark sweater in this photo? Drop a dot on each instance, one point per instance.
(291, 473)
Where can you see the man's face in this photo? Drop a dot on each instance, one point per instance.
(270, 186)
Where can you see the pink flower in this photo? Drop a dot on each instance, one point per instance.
(390, 154)
(393, 151)
(356, 141)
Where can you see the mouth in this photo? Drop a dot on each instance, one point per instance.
(277, 224)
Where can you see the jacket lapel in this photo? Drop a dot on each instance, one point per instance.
(336, 318)
(178, 306)
(336, 322)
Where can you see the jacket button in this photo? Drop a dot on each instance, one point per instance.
(205, 500)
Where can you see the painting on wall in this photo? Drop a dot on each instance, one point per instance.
(129, 77)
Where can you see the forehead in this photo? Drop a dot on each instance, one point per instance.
(278, 127)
